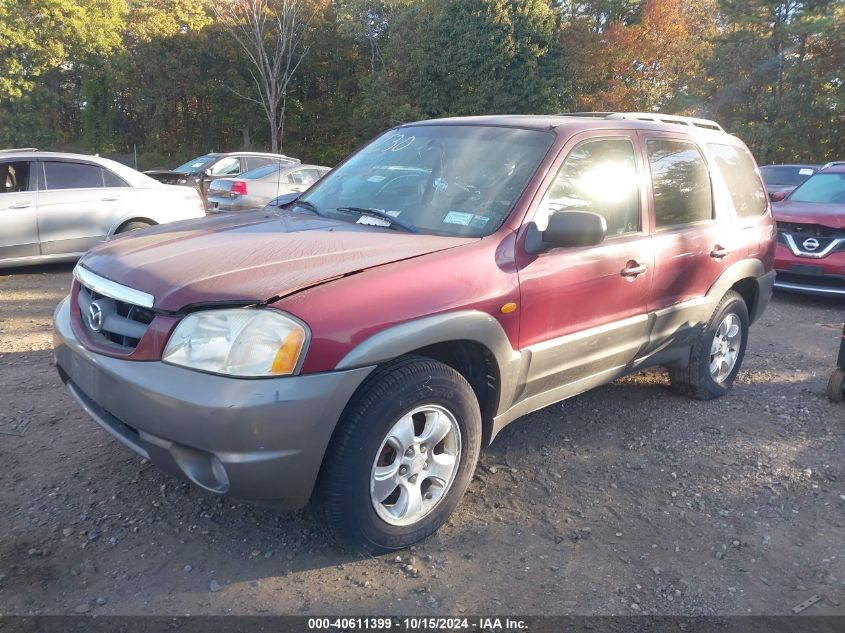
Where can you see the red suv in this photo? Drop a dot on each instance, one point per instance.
(358, 347)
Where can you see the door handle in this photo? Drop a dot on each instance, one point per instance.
(633, 269)
(110, 198)
(719, 252)
(20, 205)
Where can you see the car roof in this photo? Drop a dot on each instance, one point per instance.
(833, 169)
(569, 124)
(264, 154)
(132, 176)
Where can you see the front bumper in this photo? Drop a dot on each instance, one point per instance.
(822, 277)
(259, 440)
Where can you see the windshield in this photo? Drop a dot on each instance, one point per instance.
(789, 176)
(460, 180)
(821, 188)
(197, 164)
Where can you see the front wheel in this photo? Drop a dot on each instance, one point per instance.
(133, 226)
(716, 357)
(401, 458)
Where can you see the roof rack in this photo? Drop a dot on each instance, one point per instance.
(20, 149)
(706, 124)
(833, 163)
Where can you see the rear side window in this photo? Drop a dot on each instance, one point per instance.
(61, 175)
(682, 193)
(737, 170)
(111, 179)
(14, 177)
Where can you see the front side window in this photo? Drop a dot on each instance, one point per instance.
(460, 180)
(737, 169)
(229, 166)
(598, 176)
(681, 183)
(14, 177)
(823, 187)
(65, 175)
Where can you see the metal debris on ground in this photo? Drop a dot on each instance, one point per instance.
(809, 602)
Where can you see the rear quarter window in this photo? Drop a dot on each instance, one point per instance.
(737, 169)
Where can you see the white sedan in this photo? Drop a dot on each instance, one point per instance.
(54, 207)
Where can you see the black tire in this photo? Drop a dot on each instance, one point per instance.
(133, 226)
(836, 385)
(695, 380)
(342, 500)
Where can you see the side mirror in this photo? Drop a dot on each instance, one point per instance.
(777, 196)
(284, 199)
(207, 172)
(568, 228)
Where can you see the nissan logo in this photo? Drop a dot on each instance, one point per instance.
(95, 317)
(810, 244)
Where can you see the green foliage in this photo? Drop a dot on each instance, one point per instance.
(777, 78)
(164, 76)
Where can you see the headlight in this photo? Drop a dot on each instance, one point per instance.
(238, 342)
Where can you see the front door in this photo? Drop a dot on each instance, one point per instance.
(18, 220)
(583, 309)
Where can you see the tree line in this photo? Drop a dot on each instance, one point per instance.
(174, 78)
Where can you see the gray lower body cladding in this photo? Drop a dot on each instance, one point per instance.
(259, 440)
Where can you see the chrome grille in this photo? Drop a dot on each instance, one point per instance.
(116, 322)
(811, 240)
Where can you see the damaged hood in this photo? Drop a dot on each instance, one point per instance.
(251, 257)
(826, 214)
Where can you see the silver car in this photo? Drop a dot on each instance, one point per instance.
(56, 206)
(255, 188)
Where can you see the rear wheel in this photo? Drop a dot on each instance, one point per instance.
(836, 385)
(133, 226)
(401, 458)
(716, 357)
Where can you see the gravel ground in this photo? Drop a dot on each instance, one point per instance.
(627, 499)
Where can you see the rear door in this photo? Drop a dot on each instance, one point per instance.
(583, 315)
(694, 237)
(18, 220)
(75, 209)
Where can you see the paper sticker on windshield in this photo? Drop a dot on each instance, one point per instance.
(805, 172)
(196, 165)
(456, 217)
(375, 178)
(479, 221)
(371, 221)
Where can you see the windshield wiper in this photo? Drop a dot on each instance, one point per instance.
(383, 215)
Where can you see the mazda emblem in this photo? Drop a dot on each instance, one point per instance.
(810, 244)
(95, 317)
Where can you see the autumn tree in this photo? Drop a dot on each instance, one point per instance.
(648, 65)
